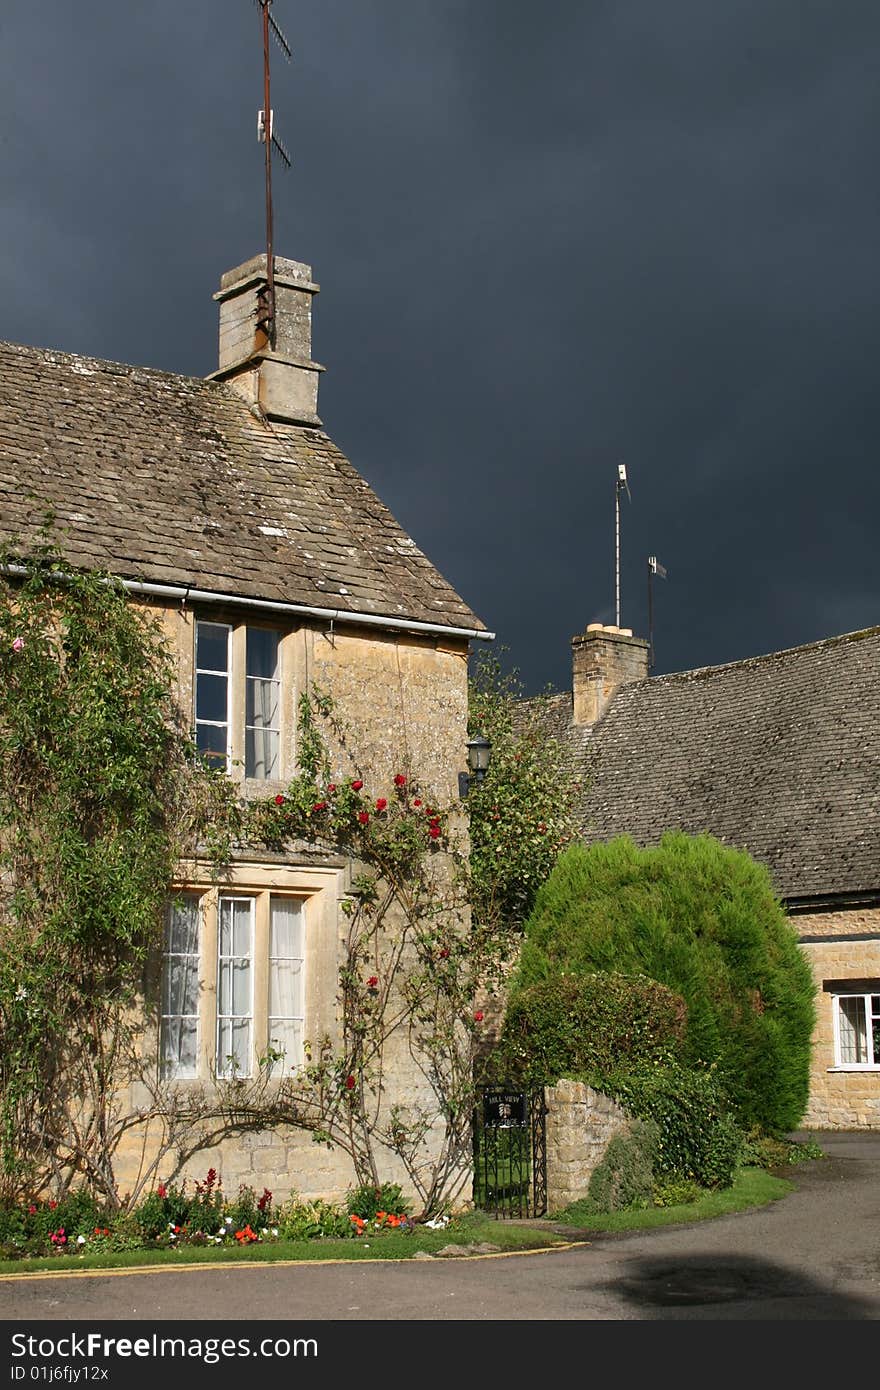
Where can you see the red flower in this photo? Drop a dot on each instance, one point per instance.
(331, 788)
(320, 806)
(478, 1016)
(52, 1205)
(417, 801)
(32, 1211)
(279, 800)
(381, 803)
(435, 820)
(372, 982)
(356, 786)
(161, 1190)
(364, 817)
(400, 780)
(444, 954)
(434, 832)
(349, 1083)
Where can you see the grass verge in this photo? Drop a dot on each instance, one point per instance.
(753, 1187)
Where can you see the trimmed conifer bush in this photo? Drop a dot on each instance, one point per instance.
(703, 920)
(587, 1026)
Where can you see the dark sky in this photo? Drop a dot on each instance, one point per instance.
(551, 238)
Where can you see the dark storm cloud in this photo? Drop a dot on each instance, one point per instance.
(550, 238)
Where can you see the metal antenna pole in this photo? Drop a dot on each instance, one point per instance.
(617, 553)
(267, 118)
(621, 482)
(266, 132)
(650, 615)
(654, 567)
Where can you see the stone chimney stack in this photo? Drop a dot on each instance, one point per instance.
(282, 381)
(604, 658)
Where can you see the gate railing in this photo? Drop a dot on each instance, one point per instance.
(510, 1152)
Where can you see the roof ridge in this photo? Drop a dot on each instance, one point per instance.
(859, 634)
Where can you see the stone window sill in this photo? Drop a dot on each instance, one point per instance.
(857, 1066)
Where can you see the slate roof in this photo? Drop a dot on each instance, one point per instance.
(173, 480)
(778, 755)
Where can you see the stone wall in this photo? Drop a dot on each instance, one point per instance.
(403, 703)
(840, 1098)
(580, 1124)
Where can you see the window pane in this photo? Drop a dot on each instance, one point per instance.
(212, 647)
(261, 753)
(262, 652)
(286, 1035)
(179, 1047)
(241, 988)
(285, 989)
(286, 928)
(180, 985)
(225, 926)
(853, 1039)
(241, 933)
(262, 704)
(182, 925)
(211, 698)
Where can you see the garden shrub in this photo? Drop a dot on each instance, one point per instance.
(698, 1137)
(625, 1177)
(366, 1202)
(585, 1026)
(703, 920)
(676, 1192)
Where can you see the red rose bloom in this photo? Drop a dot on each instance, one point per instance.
(381, 803)
(444, 954)
(161, 1190)
(279, 800)
(320, 806)
(349, 1083)
(434, 832)
(417, 801)
(331, 788)
(478, 1016)
(372, 981)
(364, 817)
(400, 780)
(356, 786)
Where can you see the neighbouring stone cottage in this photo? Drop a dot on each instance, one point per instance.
(778, 755)
(225, 508)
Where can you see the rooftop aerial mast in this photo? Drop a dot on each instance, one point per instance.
(266, 132)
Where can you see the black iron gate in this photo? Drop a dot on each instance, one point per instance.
(510, 1153)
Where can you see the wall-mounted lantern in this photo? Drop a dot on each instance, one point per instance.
(479, 751)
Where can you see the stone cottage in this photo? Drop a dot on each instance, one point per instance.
(778, 755)
(225, 508)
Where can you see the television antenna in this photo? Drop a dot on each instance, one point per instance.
(267, 134)
(654, 567)
(621, 484)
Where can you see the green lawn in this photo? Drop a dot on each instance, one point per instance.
(753, 1187)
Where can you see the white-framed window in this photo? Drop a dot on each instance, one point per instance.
(238, 698)
(262, 720)
(286, 981)
(179, 1008)
(232, 985)
(857, 1029)
(212, 693)
(235, 987)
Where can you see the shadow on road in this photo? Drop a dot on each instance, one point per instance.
(734, 1286)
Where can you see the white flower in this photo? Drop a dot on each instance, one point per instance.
(80, 1240)
(274, 1230)
(438, 1223)
(228, 1220)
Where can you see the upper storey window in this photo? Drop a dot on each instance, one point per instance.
(238, 698)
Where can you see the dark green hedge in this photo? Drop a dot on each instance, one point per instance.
(698, 1136)
(587, 1026)
(703, 920)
